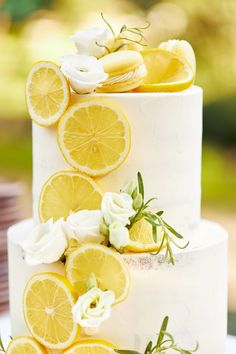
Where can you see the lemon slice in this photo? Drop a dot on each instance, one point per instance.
(47, 93)
(94, 136)
(141, 237)
(68, 191)
(48, 301)
(166, 72)
(108, 266)
(181, 48)
(91, 346)
(22, 345)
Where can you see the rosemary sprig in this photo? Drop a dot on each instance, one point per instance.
(123, 35)
(169, 234)
(165, 341)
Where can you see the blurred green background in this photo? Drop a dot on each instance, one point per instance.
(31, 30)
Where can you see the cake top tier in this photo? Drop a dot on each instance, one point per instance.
(110, 110)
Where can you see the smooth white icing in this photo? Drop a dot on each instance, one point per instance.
(193, 293)
(166, 147)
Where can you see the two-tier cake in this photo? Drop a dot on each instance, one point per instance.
(103, 265)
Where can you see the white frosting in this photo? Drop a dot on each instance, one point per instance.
(193, 293)
(85, 225)
(117, 207)
(84, 73)
(131, 75)
(90, 41)
(118, 235)
(166, 147)
(93, 307)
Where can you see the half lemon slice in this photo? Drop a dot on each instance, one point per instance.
(166, 72)
(47, 93)
(47, 305)
(94, 136)
(66, 192)
(108, 266)
(29, 345)
(141, 237)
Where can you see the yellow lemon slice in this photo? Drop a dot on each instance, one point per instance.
(68, 191)
(141, 237)
(48, 301)
(94, 136)
(166, 72)
(91, 346)
(21, 345)
(181, 48)
(108, 266)
(47, 93)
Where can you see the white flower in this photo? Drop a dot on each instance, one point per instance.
(93, 307)
(90, 41)
(117, 207)
(86, 224)
(84, 73)
(118, 235)
(46, 243)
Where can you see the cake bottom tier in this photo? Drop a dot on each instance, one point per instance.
(193, 293)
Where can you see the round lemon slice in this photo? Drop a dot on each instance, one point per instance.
(108, 266)
(91, 346)
(47, 93)
(29, 345)
(166, 72)
(47, 304)
(141, 237)
(94, 136)
(68, 191)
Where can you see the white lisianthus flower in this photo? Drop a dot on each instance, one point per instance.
(46, 243)
(117, 207)
(90, 41)
(85, 73)
(118, 235)
(92, 308)
(86, 224)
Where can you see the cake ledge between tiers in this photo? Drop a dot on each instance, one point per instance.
(201, 238)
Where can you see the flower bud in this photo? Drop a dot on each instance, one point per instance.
(130, 186)
(137, 203)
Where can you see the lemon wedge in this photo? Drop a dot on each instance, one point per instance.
(141, 237)
(47, 93)
(166, 72)
(181, 48)
(94, 136)
(91, 346)
(68, 191)
(29, 345)
(47, 304)
(108, 266)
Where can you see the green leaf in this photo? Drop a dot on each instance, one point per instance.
(159, 213)
(148, 348)
(162, 331)
(2, 349)
(140, 184)
(170, 228)
(154, 233)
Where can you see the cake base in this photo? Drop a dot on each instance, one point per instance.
(193, 293)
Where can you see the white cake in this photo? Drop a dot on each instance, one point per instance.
(166, 148)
